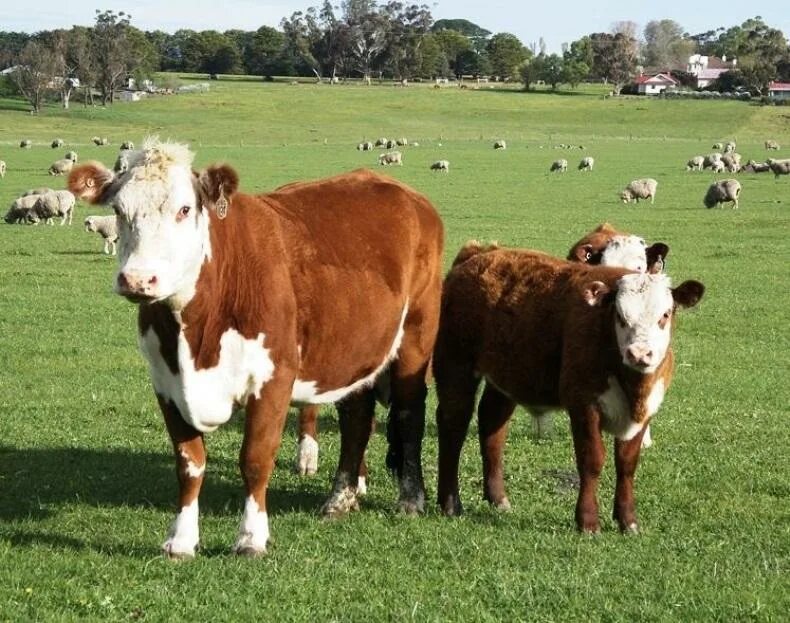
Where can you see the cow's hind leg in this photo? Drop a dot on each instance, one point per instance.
(356, 414)
(182, 540)
(307, 451)
(493, 416)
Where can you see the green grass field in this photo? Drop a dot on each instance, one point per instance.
(87, 483)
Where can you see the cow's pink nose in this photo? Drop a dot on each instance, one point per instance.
(136, 284)
(639, 355)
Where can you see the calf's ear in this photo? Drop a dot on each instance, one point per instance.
(90, 181)
(595, 293)
(688, 293)
(582, 253)
(656, 257)
(217, 185)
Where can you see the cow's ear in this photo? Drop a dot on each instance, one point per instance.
(582, 253)
(90, 181)
(656, 257)
(595, 293)
(217, 184)
(688, 293)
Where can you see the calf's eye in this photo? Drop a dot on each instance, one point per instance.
(182, 213)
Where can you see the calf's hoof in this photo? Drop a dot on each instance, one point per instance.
(340, 503)
(307, 456)
(178, 550)
(630, 529)
(502, 505)
(248, 547)
(451, 506)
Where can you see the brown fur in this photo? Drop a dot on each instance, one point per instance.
(540, 332)
(591, 247)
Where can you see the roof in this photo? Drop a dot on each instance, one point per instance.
(711, 74)
(779, 86)
(657, 79)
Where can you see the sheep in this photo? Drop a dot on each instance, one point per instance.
(729, 147)
(717, 166)
(60, 167)
(707, 161)
(100, 141)
(391, 157)
(127, 145)
(402, 142)
(96, 140)
(57, 143)
(695, 164)
(382, 142)
(560, 165)
(122, 162)
(721, 192)
(366, 146)
(71, 155)
(771, 144)
(20, 209)
(717, 146)
(2, 168)
(441, 165)
(107, 227)
(779, 167)
(756, 167)
(732, 161)
(55, 203)
(587, 163)
(500, 144)
(26, 143)
(41, 190)
(391, 144)
(640, 189)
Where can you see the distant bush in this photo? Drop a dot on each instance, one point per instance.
(708, 95)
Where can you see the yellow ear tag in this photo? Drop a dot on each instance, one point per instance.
(222, 205)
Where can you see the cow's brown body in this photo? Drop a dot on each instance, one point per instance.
(517, 320)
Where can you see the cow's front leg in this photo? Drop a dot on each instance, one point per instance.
(356, 414)
(182, 540)
(626, 459)
(263, 431)
(590, 455)
(307, 451)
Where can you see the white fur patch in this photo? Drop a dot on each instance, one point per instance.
(647, 438)
(307, 391)
(254, 529)
(655, 398)
(362, 486)
(206, 397)
(307, 456)
(617, 412)
(182, 540)
(193, 470)
(625, 251)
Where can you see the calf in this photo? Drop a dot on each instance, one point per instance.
(548, 333)
(233, 311)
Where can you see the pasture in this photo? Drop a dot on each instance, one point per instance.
(87, 483)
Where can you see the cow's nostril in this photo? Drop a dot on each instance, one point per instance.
(152, 280)
(123, 282)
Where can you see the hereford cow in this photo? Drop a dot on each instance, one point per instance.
(548, 333)
(609, 247)
(233, 310)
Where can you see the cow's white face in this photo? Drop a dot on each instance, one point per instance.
(164, 235)
(626, 252)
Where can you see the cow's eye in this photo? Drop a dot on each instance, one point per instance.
(665, 319)
(182, 213)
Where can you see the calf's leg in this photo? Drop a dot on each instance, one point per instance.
(307, 450)
(590, 455)
(626, 459)
(493, 416)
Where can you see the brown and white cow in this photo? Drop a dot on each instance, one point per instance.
(549, 333)
(304, 295)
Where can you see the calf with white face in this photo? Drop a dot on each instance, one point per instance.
(546, 333)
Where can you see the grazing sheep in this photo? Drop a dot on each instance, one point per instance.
(771, 144)
(729, 147)
(366, 146)
(391, 157)
(391, 144)
(756, 167)
(127, 145)
(717, 146)
(61, 167)
(695, 164)
(20, 209)
(96, 140)
(708, 161)
(500, 145)
(382, 142)
(41, 190)
(57, 143)
(71, 155)
(441, 165)
(587, 163)
(2, 168)
(640, 189)
(100, 141)
(717, 166)
(107, 227)
(55, 203)
(722, 192)
(122, 162)
(779, 167)
(560, 165)
(26, 143)
(402, 142)
(732, 161)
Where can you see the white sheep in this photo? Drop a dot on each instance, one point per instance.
(402, 142)
(695, 164)
(717, 146)
(71, 155)
(26, 143)
(391, 144)
(779, 167)
(41, 190)
(127, 146)
(61, 167)
(391, 157)
(708, 161)
(560, 165)
(366, 146)
(441, 165)
(717, 166)
(20, 209)
(57, 143)
(732, 161)
(587, 163)
(382, 142)
(756, 167)
(122, 162)
(100, 141)
(722, 192)
(771, 144)
(640, 189)
(56, 203)
(500, 144)
(2, 168)
(107, 228)
(729, 147)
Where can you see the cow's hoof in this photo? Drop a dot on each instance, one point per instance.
(451, 506)
(411, 507)
(307, 456)
(249, 548)
(178, 550)
(340, 503)
(631, 529)
(503, 505)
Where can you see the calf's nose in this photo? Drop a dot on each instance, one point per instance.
(639, 355)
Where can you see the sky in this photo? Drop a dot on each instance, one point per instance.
(556, 21)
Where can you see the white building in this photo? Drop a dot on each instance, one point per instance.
(709, 68)
(653, 85)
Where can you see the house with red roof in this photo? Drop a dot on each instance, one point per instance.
(654, 84)
(779, 90)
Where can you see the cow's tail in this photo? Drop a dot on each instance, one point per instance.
(472, 248)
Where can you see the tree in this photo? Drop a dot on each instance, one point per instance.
(506, 53)
(37, 67)
(264, 56)
(11, 44)
(433, 61)
(551, 70)
(666, 46)
(473, 63)
(211, 52)
(614, 58)
(116, 52)
(574, 70)
(531, 69)
(452, 43)
(81, 57)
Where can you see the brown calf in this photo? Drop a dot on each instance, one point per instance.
(548, 333)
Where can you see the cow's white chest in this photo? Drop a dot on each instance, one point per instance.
(617, 413)
(206, 397)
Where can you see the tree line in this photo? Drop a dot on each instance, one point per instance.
(366, 39)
